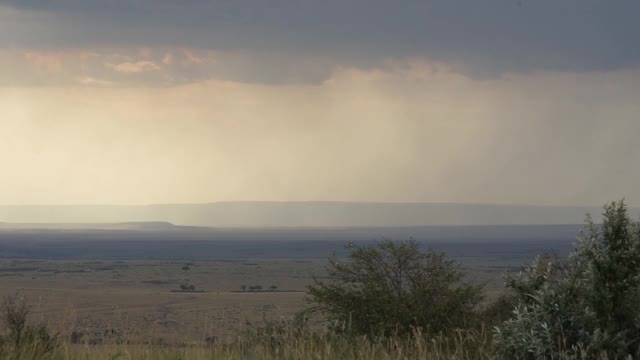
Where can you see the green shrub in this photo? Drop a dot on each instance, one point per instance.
(499, 310)
(21, 340)
(394, 288)
(585, 307)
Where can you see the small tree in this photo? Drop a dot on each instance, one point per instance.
(18, 338)
(273, 288)
(243, 287)
(586, 307)
(14, 316)
(393, 287)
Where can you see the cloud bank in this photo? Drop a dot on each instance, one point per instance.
(158, 101)
(482, 39)
(414, 132)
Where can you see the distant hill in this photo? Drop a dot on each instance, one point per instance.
(152, 225)
(302, 214)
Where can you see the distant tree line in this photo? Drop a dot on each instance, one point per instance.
(187, 287)
(254, 288)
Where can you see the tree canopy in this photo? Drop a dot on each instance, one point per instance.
(393, 287)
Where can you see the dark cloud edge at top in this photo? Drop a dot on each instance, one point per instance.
(484, 39)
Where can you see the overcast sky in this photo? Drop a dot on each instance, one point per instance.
(158, 101)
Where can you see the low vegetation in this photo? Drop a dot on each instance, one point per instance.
(187, 287)
(20, 339)
(397, 301)
(584, 307)
(394, 289)
(258, 288)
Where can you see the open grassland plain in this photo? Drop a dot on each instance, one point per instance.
(172, 294)
(142, 300)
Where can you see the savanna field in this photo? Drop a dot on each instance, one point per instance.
(104, 301)
(360, 179)
(384, 299)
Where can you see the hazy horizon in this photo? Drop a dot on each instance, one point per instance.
(305, 214)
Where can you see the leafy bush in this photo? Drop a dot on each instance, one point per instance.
(499, 310)
(21, 340)
(393, 289)
(585, 307)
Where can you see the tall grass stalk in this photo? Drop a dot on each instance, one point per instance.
(292, 344)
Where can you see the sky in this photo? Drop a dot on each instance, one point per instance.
(158, 101)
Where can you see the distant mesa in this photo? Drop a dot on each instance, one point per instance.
(146, 225)
(152, 225)
(290, 214)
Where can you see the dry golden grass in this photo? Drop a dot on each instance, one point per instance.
(135, 299)
(463, 346)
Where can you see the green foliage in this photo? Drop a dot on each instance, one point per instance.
(585, 307)
(21, 340)
(499, 310)
(393, 289)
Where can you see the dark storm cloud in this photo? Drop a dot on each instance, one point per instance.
(482, 38)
